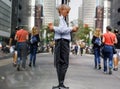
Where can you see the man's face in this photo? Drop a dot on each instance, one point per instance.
(64, 12)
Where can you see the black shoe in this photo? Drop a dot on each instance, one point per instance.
(63, 87)
(30, 64)
(115, 69)
(56, 87)
(99, 67)
(110, 70)
(18, 68)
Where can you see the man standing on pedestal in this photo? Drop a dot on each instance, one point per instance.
(62, 38)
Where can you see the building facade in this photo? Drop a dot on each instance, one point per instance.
(99, 14)
(5, 19)
(99, 2)
(89, 12)
(23, 14)
(80, 14)
(99, 17)
(115, 14)
(38, 14)
(15, 20)
(49, 8)
(106, 14)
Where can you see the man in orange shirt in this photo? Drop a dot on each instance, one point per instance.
(109, 39)
(21, 37)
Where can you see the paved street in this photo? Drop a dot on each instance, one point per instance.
(81, 74)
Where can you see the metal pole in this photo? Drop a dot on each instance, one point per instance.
(107, 9)
(62, 2)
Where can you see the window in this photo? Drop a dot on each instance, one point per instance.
(118, 23)
(118, 10)
(20, 7)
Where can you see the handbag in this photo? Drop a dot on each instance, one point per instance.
(102, 51)
(114, 49)
(33, 39)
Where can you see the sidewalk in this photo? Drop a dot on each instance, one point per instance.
(80, 75)
(5, 55)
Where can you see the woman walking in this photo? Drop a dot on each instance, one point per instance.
(96, 41)
(34, 39)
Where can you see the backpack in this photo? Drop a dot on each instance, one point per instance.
(98, 41)
(33, 40)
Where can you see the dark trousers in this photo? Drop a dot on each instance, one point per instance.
(81, 50)
(22, 53)
(33, 51)
(97, 57)
(61, 58)
(108, 56)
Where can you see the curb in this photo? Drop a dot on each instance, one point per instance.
(10, 55)
(6, 56)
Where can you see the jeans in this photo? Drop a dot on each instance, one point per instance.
(22, 53)
(33, 50)
(108, 55)
(97, 56)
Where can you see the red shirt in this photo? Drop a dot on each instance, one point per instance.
(21, 35)
(109, 38)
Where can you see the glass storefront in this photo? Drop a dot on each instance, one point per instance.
(5, 19)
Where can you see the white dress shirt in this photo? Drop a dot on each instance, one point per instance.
(62, 31)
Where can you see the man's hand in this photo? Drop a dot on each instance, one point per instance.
(50, 26)
(75, 28)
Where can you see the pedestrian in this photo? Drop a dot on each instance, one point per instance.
(96, 48)
(21, 37)
(34, 39)
(62, 39)
(82, 46)
(52, 43)
(116, 57)
(76, 49)
(12, 46)
(109, 39)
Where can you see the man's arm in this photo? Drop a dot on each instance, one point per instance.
(115, 40)
(65, 30)
(10, 42)
(62, 30)
(27, 36)
(15, 37)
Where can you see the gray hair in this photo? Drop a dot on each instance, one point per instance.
(63, 6)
